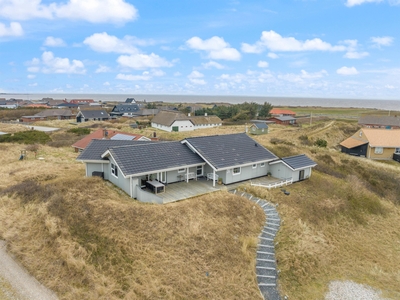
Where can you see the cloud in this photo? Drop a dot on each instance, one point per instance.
(102, 69)
(212, 64)
(303, 76)
(215, 47)
(272, 55)
(94, 11)
(55, 65)
(54, 42)
(145, 76)
(106, 83)
(351, 3)
(275, 42)
(262, 64)
(15, 29)
(356, 55)
(102, 42)
(382, 41)
(347, 71)
(31, 76)
(143, 61)
(196, 78)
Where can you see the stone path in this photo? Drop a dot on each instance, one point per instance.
(267, 273)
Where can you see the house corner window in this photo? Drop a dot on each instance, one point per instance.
(236, 171)
(397, 151)
(378, 150)
(262, 165)
(182, 170)
(114, 170)
(254, 166)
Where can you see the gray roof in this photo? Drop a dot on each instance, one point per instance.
(94, 114)
(379, 120)
(54, 112)
(284, 118)
(153, 156)
(223, 151)
(299, 161)
(125, 108)
(97, 148)
(120, 136)
(260, 125)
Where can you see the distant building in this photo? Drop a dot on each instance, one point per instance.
(286, 120)
(92, 115)
(80, 101)
(127, 109)
(258, 128)
(277, 112)
(387, 122)
(49, 114)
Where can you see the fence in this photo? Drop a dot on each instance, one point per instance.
(274, 184)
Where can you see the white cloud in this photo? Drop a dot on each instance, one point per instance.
(15, 29)
(31, 76)
(347, 71)
(94, 11)
(351, 3)
(196, 78)
(212, 64)
(54, 42)
(272, 55)
(142, 61)
(303, 76)
(382, 41)
(106, 83)
(388, 86)
(102, 69)
(215, 47)
(50, 65)
(102, 42)
(275, 42)
(356, 55)
(144, 76)
(262, 64)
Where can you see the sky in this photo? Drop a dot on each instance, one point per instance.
(290, 48)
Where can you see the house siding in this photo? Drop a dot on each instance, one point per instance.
(358, 151)
(96, 167)
(246, 173)
(281, 171)
(386, 155)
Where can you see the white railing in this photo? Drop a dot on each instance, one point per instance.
(210, 176)
(274, 184)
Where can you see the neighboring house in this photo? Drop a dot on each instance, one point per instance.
(92, 115)
(125, 109)
(286, 120)
(177, 121)
(277, 112)
(53, 103)
(388, 122)
(380, 144)
(130, 100)
(50, 114)
(8, 106)
(258, 128)
(230, 158)
(296, 167)
(107, 134)
(81, 101)
(67, 105)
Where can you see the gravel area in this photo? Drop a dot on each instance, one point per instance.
(346, 290)
(16, 283)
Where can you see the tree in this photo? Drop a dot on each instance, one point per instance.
(265, 109)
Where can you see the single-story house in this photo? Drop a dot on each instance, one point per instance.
(387, 122)
(380, 144)
(177, 121)
(81, 101)
(296, 167)
(277, 112)
(92, 115)
(50, 114)
(231, 158)
(103, 133)
(258, 128)
(125, 109)
(286, 120)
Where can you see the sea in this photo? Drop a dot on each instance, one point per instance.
(275, 101)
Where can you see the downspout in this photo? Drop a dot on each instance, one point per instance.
(213, 178)
(187, 175)
(130, 185)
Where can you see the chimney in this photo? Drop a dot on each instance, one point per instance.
(105, 133)
(154, 134)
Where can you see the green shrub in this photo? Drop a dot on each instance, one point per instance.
(321, 143)
(79, 131)
(26, 137)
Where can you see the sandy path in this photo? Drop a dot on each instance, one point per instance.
(16, 283)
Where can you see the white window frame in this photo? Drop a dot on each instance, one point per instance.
(183, 170)
(236, 173)
(254, 166)
(262, 165)
(378, 150)
(114, 170)
(397, 150)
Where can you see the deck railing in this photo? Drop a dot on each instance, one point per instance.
(274, 184)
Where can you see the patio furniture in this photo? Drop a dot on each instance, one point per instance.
(210, 176)
(155, 186)
(190, 175)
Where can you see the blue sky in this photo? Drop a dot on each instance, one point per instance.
(304, 48)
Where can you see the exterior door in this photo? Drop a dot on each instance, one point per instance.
(301, 175)
(162, 177)
(175, 128)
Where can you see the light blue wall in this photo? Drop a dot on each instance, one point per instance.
(281, 171)
(246, 173)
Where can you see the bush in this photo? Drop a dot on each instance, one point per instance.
(321, 143)
(79, 131)
(26, 137)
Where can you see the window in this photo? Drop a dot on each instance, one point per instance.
(236, 171)
(262, 165)
(378, 150)
(397, 150)
(182, 170)
(254, 166)
(114, 170)
(199, 170)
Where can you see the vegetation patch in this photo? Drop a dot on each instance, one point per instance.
(26, 137)
(79, 130)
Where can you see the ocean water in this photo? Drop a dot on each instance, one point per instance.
(277, 101)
